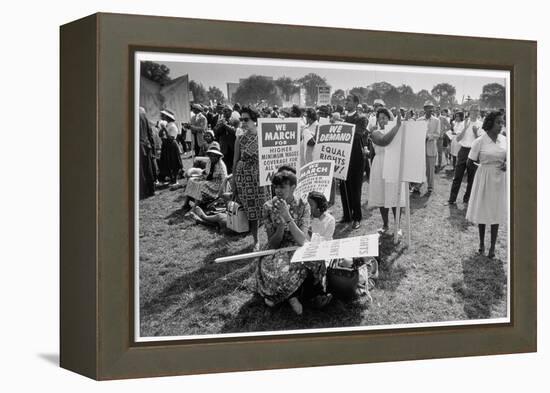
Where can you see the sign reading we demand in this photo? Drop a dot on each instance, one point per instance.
(334, 142)
(278, 144)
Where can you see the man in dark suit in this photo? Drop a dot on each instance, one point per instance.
(350, 190)
(225, 134)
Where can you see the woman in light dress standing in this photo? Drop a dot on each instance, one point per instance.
(488, 203)
(383, 194)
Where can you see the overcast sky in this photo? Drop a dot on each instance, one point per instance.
(216, 74)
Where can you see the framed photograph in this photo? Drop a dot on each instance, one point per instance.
(241, 196)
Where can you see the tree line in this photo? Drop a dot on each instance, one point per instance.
(259, 88)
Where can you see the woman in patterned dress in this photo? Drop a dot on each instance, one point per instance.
(286, 220)
(206, 188)
(246, 173)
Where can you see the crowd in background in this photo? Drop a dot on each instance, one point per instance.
(222, 141)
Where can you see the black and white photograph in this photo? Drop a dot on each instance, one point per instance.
(277, 196)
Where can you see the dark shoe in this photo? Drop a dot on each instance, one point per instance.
(491, 253)
(481, 250)
(321, 301)
(344, 220)
(356, 225)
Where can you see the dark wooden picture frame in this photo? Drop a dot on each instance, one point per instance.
(97, 198)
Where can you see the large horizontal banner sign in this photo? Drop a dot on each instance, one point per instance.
(350, 247)
(315, 176)
(278, 144)
(334, 142)
(414, 154)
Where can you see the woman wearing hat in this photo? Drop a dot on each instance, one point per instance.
(246, 172)
(208, 141)
(205, 188)
(170, 157)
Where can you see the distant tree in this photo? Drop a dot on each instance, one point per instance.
(444, 94)
(338, 97)
(360, 92)
(421, 97)
(199, 92)
(392, 98)
(381, 88)
(257, 88)
(155, 72)
(287, 87)
(215, 94)
(372, 95)
(311, 82)
(406, 96)
(493, 96)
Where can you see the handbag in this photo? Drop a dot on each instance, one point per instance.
(237, 220)
(342, 281)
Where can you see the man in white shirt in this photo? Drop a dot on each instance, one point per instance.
(432, 135)
(445, 125)
(471, 131)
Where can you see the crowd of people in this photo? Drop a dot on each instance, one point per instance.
(223, 142)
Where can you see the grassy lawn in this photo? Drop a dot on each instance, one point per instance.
(439, 278)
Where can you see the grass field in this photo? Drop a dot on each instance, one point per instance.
(439, 278)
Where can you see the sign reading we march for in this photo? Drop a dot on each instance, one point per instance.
(334, 143)
(315, 176)
(278, 144)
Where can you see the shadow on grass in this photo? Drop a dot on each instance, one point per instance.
(483, 286)
(255, 316)
(457, 218)
(198, 280)
(390, 274)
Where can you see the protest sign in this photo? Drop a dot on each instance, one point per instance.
(315, 176)
(414, 153)
(278, 144)
(351, 247)
(334, 142)
(323, 95)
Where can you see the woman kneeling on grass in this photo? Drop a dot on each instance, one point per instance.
(286, 220)
(206, 188)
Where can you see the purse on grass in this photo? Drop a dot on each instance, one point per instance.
(342, 281)
(237, 219)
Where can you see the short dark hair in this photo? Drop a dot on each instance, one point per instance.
(384, 111)
(319, 199)
(311, 114)
(295, 111)
(252, 112)
(460, 114)
(283, 178)
(489, 121)
(288, 168)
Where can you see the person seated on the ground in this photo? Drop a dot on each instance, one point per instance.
(208, 140)
(204, 189)
(216, 217)
(322, 222)
(286, 220)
